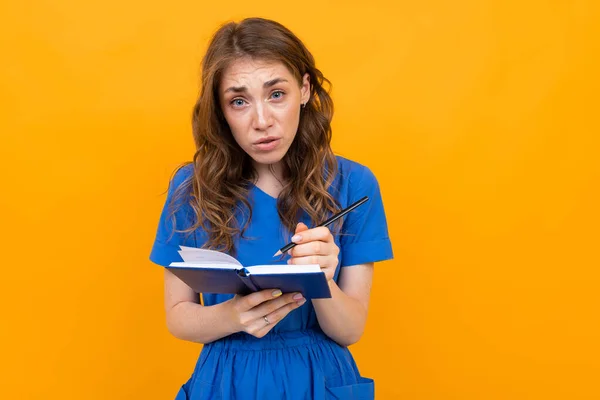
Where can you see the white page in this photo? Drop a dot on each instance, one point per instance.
(212, 265)
(283, 269)
(195, 255)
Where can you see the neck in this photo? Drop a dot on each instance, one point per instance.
(269, 178)
(269, 171)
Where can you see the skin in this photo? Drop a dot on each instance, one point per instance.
(262, 100)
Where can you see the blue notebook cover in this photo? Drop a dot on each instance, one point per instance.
(209, 271)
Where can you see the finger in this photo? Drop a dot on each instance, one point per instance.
(301, 227)
(254, 299)
(316, 247)
(264, 322)
(321, 233)
(318, 260)
(275, 317)
(270, 306)
(280, 313)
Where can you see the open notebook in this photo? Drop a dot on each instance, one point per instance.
(209, 271)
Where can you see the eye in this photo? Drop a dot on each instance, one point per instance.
(278, 94)
(237, 102)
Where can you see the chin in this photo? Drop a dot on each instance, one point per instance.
(268, 158)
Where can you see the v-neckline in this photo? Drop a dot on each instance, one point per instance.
(264, 194)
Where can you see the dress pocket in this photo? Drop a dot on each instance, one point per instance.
(363, 390)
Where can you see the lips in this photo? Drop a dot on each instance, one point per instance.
(267, 143)
(266, 139)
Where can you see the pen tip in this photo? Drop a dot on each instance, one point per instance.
(277, 254)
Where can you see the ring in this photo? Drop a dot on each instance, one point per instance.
(266, 320)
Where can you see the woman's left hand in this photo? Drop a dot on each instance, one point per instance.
(315, 246)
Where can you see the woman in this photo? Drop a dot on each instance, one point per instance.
(264, 171)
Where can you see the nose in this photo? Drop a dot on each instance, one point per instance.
(263, 118)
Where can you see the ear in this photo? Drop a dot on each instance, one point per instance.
(305, 89)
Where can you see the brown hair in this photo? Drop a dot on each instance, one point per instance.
(219, 186)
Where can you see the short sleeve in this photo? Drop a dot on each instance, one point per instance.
(168, 239)
(365, 235)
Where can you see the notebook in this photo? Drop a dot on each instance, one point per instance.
(210, 271)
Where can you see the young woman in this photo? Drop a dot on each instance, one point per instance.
(263, 172)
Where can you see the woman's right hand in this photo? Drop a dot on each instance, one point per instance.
(257, 313)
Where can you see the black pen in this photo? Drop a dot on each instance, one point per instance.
(331, 220)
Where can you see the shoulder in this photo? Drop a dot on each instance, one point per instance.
(354, 173)
(352, 181)
(181, 176)
(183, 173)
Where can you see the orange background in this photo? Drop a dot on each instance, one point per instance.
(478, 117)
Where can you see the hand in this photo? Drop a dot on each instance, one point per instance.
(315, 246)
(257, 313)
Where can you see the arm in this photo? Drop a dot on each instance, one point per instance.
(191, 321)
(343, 317)
(188, 320)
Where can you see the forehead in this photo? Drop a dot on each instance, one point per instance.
(248, 72)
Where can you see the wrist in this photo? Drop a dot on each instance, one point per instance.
(332, 289)
(230, 313)
(332, 284)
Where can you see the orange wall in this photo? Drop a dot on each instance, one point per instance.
(478, 118)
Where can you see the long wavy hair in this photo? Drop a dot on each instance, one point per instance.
(223, 172)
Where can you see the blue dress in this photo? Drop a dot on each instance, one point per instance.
(295, 360)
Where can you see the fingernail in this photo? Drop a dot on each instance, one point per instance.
(289, 261)
(300, 302)
(298, 296)
(276, 293)
(296, 238)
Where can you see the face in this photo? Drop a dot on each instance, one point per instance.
(261, 102)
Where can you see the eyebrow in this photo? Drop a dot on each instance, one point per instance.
(267, 84)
